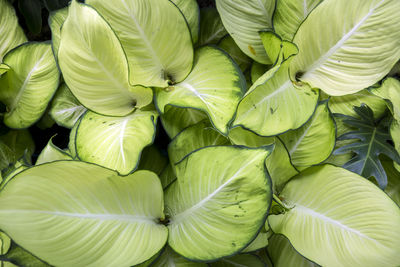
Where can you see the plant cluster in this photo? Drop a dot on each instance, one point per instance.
(283, 124)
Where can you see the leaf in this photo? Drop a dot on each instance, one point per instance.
(32, 12)
(393, 187)
(52, 5)
(90, 214)
(211, 28)
(167, 176)
(52, 153)
(29, 84)
(344, 220)
(14, 145)
(215, 86)
(115, 142)
(170, 258)
(154, 36)
(20, 256)
(260, 242)
(243, 20)
(343, 54)
(230, 47)
(257, 70)
(192, 138)
(344, 104)
(313, 142)
(289, 14)
(190, 9)
(240, 260)
(219, 191)
(274, 104)
(283, 254)
(104, 89)
(5, 243)
(65, 109)
(11, 34)
(278, 50)
(56, 20)
(175, 119)
(373, 137)
(278, 163)
(152, 159)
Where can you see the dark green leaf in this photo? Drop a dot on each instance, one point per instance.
(32, 11)
(52, 5)
(21, 257)
(373, 139)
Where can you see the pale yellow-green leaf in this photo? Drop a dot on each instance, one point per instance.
(191, 11)
(65, 109)
(154, 36)
(283, 254)
(52, 153)
(71, 213)
(56, 20)
(98, 79)
(5, 243)
(261, 241)
(115, 142)
(314, 141)
(243, 20)
(278, 50)
(219, 191)
(342, 59)
(29, 84)
(289, 14)
(175, 119)
(275, 105)
(215, 86)
(11, 34)
(338, 218)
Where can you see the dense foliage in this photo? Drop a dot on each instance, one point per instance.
(240, 133)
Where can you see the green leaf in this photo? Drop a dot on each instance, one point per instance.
(283, 254)
(230, 47)
(5, 243)
(257, 70)
(65, 109)
(154, 36)
(191, 11)
(3, 68)
(260, 242)
(175, 119)
(289, 14)
(215, 86)
(278, 163)
(313, 142)
(170, 258)
(32, 12)
(72, 137)
(343, 54)
(372, 141)
(14, 145)
(344, 220)
(52, 153)
(192, 138)
(245, 260)
(88, 213)
(344, 104)
(167, 176)
(103, 84)
(52, 5)
(20, 256)
(274, 104)
(219, 191)
(243, 20)
(11, 34)
(393, 187)
(278, 50)
(152, 159)
(56, 20)
(211, 28)
(115, 142)
(29, 84)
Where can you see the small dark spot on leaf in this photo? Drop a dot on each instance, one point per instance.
(252, 50)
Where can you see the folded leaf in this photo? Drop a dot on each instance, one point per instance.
(115, 142)
(52, 153)
(243, 20)
(11, 34)
(219, 191)
(215, 86)
(102, 85)
(72, 213)
(337, 218)
(154, 36)
(31, 82)
(341, 60)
